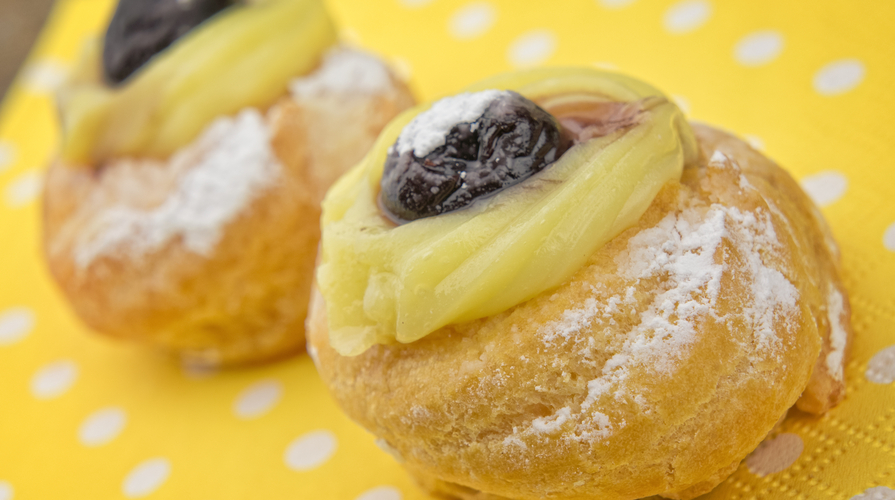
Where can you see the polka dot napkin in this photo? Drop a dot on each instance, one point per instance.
(82, 417)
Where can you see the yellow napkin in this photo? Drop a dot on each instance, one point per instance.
(808, 83)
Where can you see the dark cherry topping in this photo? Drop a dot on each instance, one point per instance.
(512, 140)
(141, 29)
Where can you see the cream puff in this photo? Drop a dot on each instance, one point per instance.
(553, 286)
(198, 141)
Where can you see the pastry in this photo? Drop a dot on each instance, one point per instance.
(587, 298)
(198, 141)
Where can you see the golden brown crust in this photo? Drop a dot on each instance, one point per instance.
(246, 301)
(641, 374)
(825, 390)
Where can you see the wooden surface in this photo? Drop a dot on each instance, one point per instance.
(20, 22)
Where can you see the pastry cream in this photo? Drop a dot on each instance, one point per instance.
(384, 282)
(244, 56)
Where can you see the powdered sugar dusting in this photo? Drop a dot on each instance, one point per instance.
(224, 170)
(680, 259)
(513, 440)
(572, 321)
(718, 157)
(681, 249)
(838, 336)
(773, 296)
(553, 423)
(428, 130)
(344, 70)
(601, 426)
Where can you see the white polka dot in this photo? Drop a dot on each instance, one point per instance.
(889, 237)
(876, 493)
(102, 426)
(758, 48)
(775, 455)
(614, 4)
(684, 17)
(472, 20)
(310, 450)
(825, 188)
(881, 369)
(6, 491)
(756, 142)
(381, 493)
(839, 77)
(682, 102)
(15, 324)
(7, 155)
(54, 379)
(44, 76)
(532, 48)
(146, 478)
(24, 189)
(258, 399)
(415, 4)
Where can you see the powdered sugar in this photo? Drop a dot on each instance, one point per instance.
(838, 336)
(572, 321)
(721, 160)
(344, 70)
(718, 157)
(773, 296)
(513, 440)
(552, 423)
(681, 250)
(593, 427)
(225, 169)
(679, 258)
(428, 130)
(599, 427)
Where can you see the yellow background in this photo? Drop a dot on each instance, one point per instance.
(841, 145)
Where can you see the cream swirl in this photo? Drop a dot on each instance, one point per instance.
(383, 282)
(243, 57)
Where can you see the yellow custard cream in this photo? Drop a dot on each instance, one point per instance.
(383, 282)
(244, 56)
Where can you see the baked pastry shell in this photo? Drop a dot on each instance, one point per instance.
(456, 407)
(245, 301)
